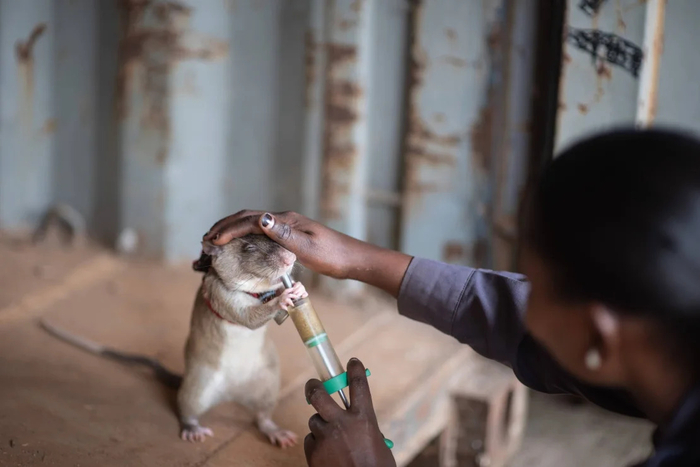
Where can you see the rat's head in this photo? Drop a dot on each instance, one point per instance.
(253, 263)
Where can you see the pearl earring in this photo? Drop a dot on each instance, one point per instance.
(593, 359)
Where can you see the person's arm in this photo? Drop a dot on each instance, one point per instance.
(483, 309)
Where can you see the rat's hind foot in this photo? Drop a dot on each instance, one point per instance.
(193, 433)
(276, 435)
(282, 438)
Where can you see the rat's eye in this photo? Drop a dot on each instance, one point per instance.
(249, 247)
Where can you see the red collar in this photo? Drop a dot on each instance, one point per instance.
(206, 300)
(263, 297)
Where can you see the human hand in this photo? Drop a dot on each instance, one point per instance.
(345, 438)
(317, 247)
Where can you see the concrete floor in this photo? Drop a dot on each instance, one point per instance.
(54, 400)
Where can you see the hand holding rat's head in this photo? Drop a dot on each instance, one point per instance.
(319, 248)
(252, 262)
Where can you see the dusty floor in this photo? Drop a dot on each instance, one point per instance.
(558, 434)
(54, 400)
(561, 435)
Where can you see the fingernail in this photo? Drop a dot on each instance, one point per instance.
(266, 220)
(354, 360)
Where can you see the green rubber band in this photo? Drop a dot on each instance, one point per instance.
(339, 382)
(314, 341)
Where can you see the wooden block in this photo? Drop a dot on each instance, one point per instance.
(488, 417)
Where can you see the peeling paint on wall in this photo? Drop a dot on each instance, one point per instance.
(155, 37)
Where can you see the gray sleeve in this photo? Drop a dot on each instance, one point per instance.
(483, 309)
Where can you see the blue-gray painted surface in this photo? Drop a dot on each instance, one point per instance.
(387, 76)
(512, 138)
(448, 169)
(75, 91)
(27, 120)
(595, 94)
(678, 100)
(347, 86)
(164, 118)
(200, 123)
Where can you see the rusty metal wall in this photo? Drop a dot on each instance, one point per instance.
(467, 136)
(628, 62)
(27, 125)
(678, 102)
(406, 123)
(595, 93)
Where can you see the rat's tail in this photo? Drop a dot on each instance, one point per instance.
(163, 375)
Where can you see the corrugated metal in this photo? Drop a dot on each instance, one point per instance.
(28, 125)
(513, 141)
(404, 123)
(596, 93)
(678, 102)
(467, 137)
(345, 124)
(642, 71)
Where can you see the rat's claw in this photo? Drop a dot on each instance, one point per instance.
(283, 438)
(195, 433)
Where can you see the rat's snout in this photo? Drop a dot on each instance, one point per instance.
(203, 263)
(288, 258)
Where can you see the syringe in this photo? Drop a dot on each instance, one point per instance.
(315, 339)
(323, 355)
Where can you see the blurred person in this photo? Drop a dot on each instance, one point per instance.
(608, 307)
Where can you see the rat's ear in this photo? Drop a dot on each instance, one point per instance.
(210, 249)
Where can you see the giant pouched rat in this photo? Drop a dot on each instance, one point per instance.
(228, 356)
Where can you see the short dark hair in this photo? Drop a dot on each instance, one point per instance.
(617, 217)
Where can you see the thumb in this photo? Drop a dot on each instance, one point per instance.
(278, 231)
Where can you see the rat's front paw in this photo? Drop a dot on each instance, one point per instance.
(287, 297)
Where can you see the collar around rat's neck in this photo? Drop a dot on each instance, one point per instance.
(217, 314)
(263, 297)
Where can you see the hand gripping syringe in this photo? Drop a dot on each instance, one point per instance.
(322, 353)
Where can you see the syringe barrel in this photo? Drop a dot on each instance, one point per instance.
(315, 339)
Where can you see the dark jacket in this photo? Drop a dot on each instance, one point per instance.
(484, 309)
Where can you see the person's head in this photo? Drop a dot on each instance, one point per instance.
(612, 251)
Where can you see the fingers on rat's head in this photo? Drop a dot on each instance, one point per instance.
(276, 228)
(210, 249)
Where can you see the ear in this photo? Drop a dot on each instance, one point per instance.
(210, 249)
(607, 328)
(606, 322)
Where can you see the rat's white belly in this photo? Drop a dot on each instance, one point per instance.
(242, 353)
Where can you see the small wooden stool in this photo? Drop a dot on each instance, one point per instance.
(489, 409)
